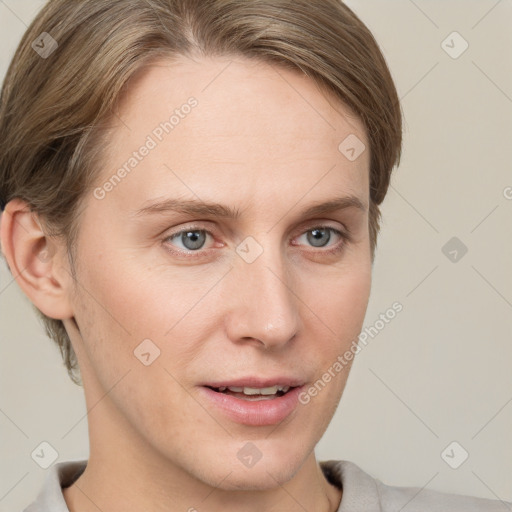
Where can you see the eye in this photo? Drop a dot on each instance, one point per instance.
(320, 236)
(191, 239)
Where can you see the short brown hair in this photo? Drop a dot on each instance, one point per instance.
(54, 111)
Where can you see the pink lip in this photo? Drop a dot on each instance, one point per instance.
(255, 413)
(257, 382)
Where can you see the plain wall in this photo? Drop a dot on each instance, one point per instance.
(440, 370)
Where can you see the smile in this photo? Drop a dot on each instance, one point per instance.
(252, 406)
(253, 394)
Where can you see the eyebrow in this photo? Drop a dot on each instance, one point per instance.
(196, 207)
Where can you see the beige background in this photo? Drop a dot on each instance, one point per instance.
(440, 370)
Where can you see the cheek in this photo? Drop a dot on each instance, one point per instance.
(125, 314)
(130, 309)
(137, 299)
(341, 304)
(336, 322)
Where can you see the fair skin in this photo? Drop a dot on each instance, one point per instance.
(263, 140)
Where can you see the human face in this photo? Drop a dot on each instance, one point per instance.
(256, 299)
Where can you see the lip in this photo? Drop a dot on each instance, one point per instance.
(253, 413)
(257, 382)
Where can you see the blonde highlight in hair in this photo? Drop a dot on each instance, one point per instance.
(55, 112)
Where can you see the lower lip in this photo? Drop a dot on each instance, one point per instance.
(255, 413)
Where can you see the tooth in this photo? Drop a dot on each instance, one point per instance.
(272, 390)
(251, 391)
(269, 391)
(263, 391)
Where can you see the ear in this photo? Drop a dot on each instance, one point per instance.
(35, 260)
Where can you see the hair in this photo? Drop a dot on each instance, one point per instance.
(55, 111)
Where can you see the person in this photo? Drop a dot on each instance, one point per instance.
(168, 169)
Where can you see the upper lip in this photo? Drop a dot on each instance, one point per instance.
(257, 382)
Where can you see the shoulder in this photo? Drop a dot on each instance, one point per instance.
(59, 475)
(361, 492)
(418, 499)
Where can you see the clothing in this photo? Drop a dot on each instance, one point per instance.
(361, 492)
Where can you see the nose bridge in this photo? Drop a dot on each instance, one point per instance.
(264, 305)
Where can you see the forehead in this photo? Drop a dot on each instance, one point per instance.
(252, 126)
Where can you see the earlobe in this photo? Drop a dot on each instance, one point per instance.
(35, 260)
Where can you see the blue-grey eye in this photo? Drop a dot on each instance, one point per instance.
(191, 239)
(319, 237)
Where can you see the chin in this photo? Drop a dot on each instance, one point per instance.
(274, 463)
(259, 479)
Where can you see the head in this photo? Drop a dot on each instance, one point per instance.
(262, 109)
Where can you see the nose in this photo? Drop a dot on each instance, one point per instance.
(263, 305)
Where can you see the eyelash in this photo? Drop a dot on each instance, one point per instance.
(344, 235)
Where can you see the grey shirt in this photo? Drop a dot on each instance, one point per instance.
(361, 492)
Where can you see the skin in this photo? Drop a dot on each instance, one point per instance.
(264, 140)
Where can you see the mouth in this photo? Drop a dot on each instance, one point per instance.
(253, 401)
(253, 394)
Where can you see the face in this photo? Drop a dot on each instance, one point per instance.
(174, 304)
